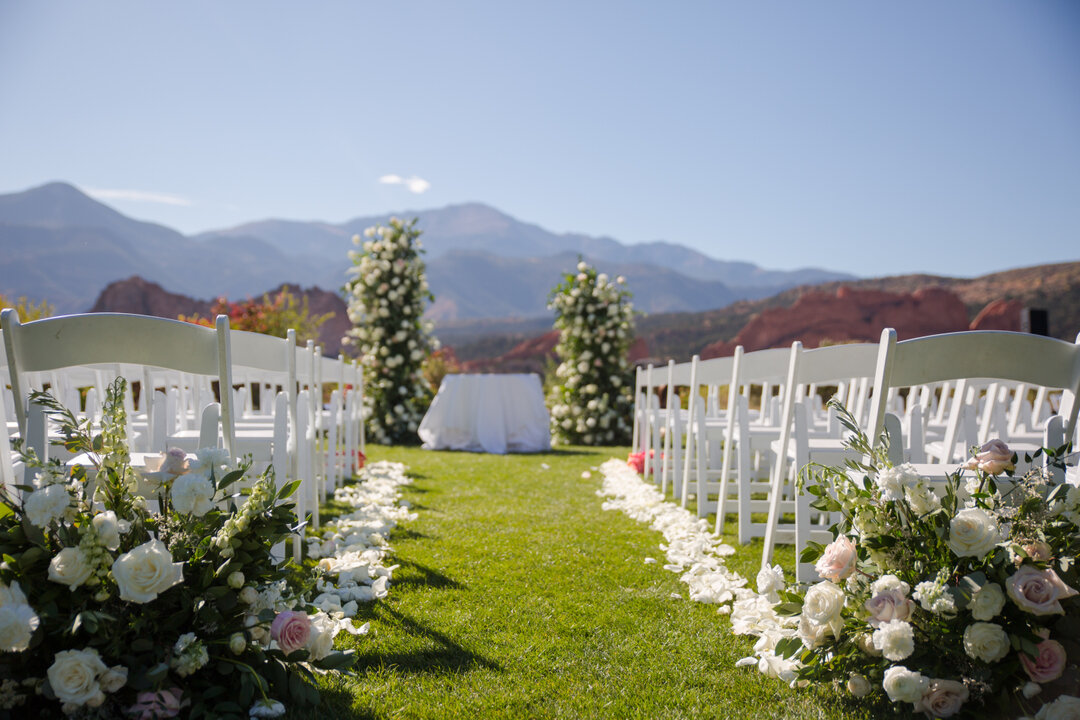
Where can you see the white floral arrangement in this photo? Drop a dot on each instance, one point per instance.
(591, 396)
(387, 293)
(943, 603)
(113, 605)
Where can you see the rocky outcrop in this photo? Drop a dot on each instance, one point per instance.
(534, 355)
(141, 297)
(999, 315)
(848, 315)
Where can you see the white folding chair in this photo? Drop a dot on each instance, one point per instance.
(796, 444)
(1018, 357)
(102, 338)
(744, 438)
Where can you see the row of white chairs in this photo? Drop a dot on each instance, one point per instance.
(936, 396)
(176, 364)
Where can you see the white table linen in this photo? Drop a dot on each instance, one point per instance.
(487, 413)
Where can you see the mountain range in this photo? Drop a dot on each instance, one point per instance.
(60, 245)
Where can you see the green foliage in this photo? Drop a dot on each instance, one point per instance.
(272, 316)
(28, 309)
(70, 544)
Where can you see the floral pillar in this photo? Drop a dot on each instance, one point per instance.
(591, 399)
(387, 294)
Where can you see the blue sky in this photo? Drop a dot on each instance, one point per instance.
(870, 137)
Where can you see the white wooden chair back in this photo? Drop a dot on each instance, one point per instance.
(102, 338)
(1020, 357)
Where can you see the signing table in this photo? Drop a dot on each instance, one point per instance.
(487, 413)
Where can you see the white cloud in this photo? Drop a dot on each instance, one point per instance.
(137, 196)
(415, 184)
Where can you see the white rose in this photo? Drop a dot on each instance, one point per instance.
(47, 504)
(903, 685)
(70, 567)
(237, 643)
(108, 529)
(895, 639)
(18, 621)
(858, 686)
(73, 676)
(987, 602)
(321, 641)
(973, 532)
(249, 595)
(146, 571)
(986, 641)
(811, 633)
(822, 605)
(115, 678)
(193, 494)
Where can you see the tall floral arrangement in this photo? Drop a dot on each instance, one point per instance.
(940, 602)
(591, 397)
(387, 294)
(148, 595)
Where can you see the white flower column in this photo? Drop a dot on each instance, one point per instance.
(387, 293)
(591, 397)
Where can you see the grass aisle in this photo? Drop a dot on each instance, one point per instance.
(518, 597)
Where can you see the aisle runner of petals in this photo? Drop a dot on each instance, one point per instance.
(690, 548)
(352, 548)
(690, 545)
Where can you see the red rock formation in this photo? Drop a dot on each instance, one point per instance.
(533, 355)
(999, 315)
(849, 315)
(143, 297)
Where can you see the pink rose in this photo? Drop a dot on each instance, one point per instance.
(174, 461)
(1038, 591)
(838, 560)
(291, 629)
(160, 704)
(889, 605)
(637, 462)
(943, 699)
(1048, 664)
(1039, 551)
(993, 458)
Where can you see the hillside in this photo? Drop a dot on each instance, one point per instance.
(60, 245)
(915, 304)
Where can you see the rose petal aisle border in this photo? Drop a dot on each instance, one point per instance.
(694, 551)
(352, 548)
(690, 548)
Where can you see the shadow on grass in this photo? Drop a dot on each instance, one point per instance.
(416, 574)
(407, 534)
(447, 656)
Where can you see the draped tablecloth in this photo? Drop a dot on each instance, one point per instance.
(487, 413)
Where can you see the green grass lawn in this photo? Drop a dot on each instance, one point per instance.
(518, 597)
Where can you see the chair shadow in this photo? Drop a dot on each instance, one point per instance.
(422, 575)
(448, 657)
(408, 534)
(562, 453)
